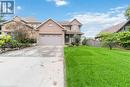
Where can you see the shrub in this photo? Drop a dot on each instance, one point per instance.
(20, 36)
(70, 45)
(27, 40)
(2, 42)
(32, 40)
(5, 41)
(14, 43)
(84, 42)
(76, 40)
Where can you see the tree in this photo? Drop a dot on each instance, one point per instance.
(20, 30)
(129, 28)
(108, 39)
(123, 39)
(127, 13)
(1, 18)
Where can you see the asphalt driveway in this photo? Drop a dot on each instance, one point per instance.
(33, 67)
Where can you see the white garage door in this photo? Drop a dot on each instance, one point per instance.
(50, 40)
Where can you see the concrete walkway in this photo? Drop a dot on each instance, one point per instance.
(33, 67)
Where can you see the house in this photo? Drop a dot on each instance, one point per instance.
(17, 23)
(124, 26)
(1, 22)
(49, 32)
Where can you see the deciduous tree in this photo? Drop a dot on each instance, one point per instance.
(127, 13)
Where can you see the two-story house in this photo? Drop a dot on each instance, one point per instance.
(48, 32)
(71, 28)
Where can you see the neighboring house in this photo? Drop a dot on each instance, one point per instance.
(49, 32)
(1, 22)
(9, 27)
(124, 26)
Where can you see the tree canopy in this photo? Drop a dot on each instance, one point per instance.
(127, 13)
(120, 39)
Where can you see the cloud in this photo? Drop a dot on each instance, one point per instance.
(93, 23)
(18, 7)
(59, 2)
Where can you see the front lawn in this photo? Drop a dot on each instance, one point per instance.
(97, 67)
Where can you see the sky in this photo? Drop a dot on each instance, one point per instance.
(95, 15)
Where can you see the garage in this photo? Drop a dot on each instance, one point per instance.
(50, 33)
(52, 40)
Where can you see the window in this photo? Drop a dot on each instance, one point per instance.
(50, 25)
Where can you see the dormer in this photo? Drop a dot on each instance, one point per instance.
(75, 25)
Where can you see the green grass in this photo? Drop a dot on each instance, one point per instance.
(97, 67)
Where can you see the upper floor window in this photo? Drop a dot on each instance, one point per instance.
(50, 25)
(67, 27)
(75, 28)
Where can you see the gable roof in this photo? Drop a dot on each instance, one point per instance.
(50, 20)
(32, 20)
(115, 28)
(24, 22)
(75, 20)
(68, 23)
(13, 20)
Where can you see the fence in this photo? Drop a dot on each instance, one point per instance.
(92, 42)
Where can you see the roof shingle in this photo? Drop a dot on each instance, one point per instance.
(115, 28)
